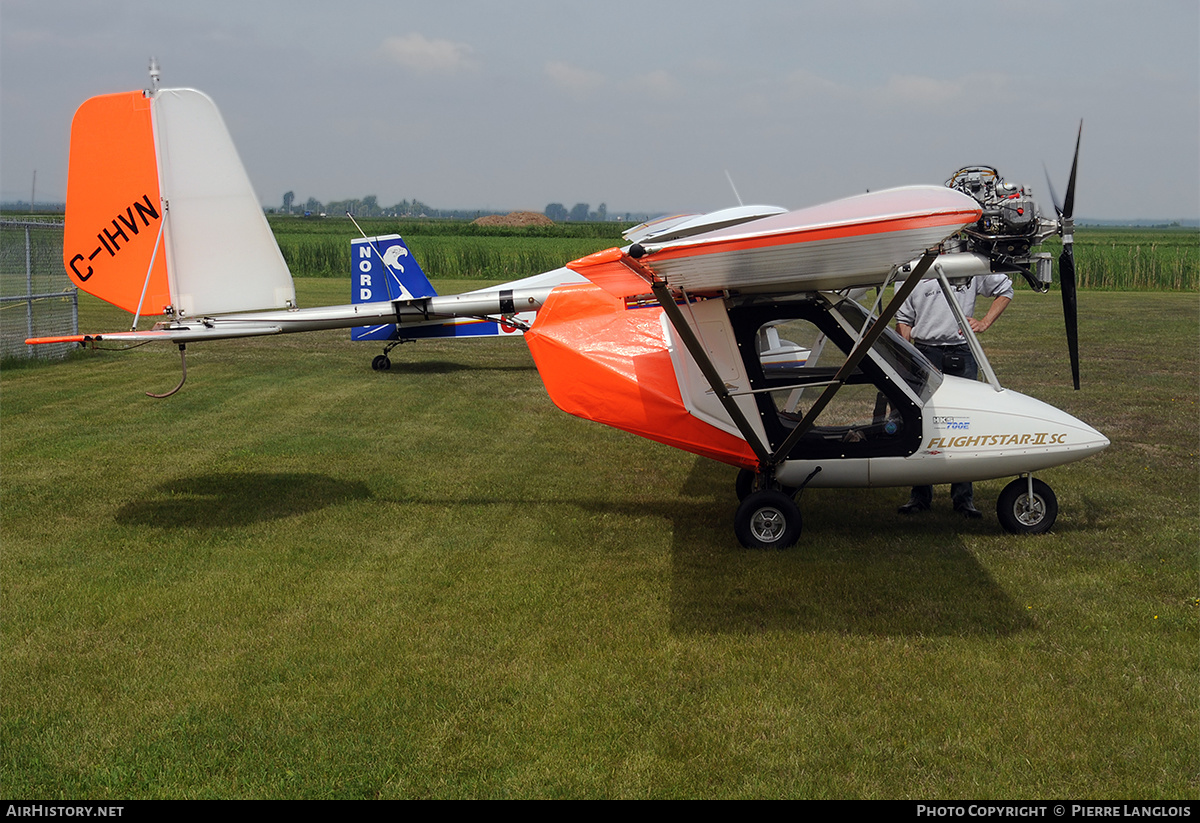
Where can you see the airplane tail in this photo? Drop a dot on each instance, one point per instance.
(161, 217)
(382, 268)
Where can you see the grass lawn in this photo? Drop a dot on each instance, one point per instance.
(302, 578)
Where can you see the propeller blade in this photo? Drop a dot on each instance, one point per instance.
(1068, 209)
(1066, 263)
(1053, 194)
(1066, 279)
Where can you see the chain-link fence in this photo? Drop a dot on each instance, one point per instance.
(37, 298)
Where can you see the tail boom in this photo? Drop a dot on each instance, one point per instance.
(425, 311)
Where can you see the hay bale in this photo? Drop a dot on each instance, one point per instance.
(516, 218)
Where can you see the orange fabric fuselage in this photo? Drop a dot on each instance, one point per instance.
(604, 362)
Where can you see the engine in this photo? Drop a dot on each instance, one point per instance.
(1009, 227)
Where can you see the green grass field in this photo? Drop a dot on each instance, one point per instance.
(302, 578)
(1136, 259)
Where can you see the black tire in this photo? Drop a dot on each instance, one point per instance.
(381, 363)
(1019, 515)
(767, 520)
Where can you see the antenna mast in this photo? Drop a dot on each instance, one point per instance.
(154, 76)
(729, 177)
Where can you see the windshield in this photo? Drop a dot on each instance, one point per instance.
(909, 366)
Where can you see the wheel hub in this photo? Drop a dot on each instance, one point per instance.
(767, 524)
(1030, 512)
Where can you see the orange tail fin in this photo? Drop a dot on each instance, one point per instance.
(114, 211)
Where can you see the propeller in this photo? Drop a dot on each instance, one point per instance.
(1066, 261)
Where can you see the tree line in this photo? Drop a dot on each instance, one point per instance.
(579, 213)
(369, 207)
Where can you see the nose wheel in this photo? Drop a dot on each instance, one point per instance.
(1027, 506)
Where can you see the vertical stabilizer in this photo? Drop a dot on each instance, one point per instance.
(222, 254)
(382, 268)
(155, 186)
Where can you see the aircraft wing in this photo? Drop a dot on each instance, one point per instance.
(154, 178)
(686, 225)
(847, 243)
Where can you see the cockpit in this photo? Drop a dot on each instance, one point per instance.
(800, 346)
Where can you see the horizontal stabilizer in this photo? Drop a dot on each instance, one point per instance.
(178, 333)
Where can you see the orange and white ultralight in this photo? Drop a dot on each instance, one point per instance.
(730, 335)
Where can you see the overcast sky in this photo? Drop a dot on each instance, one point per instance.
(643, 105)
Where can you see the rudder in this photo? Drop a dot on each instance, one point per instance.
(114, 208)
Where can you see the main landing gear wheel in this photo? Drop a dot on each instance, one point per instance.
(381, 362)
(1021, 514)
(767, 519)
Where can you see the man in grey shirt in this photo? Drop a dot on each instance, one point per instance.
(927, 321)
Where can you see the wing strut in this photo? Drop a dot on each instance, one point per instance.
(968, 332)
(855, 357)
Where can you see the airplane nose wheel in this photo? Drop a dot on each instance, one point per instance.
(767, 519)
(1027, 506)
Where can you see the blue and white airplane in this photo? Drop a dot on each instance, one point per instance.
(383, 269)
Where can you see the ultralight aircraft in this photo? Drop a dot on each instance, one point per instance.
(730, 335)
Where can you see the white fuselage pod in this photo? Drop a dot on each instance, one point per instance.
(970, 432)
